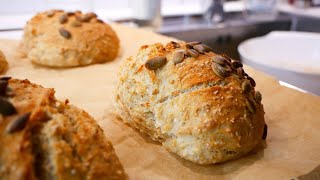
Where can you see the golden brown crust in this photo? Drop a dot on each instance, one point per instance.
(3, 63)
(46, 40)
(187, 107)
(58, 141)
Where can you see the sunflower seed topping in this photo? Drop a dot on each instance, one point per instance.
(175, 44)
(246, 87)
(5, 78)
(236, 64)
(93, 15)
(193, 53)
(258, 96)
(65, 33)
(227, 68)
(87, 17)
(199, 48)
(218, 70)
(156, 62)
(50, 13)
(70, 13)
(219, 60)
(178, 56)
(193, 43)
(9, 92)
(3, 87)
(227, 57)
(252, 82)
(76, 23)
(63, 18)
(188, 46)
(250, 105)
(265, 132)
(240, 72)
(99, 21)
(6, 108)
(18, 124)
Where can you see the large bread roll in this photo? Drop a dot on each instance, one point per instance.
(43, 138)
(65, 39)
(198, 104)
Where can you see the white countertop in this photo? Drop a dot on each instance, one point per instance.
(311, 12)
(16, 34)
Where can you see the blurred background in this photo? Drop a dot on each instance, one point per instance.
(228, 26)
(222, 24)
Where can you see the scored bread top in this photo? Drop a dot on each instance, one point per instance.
(64, 39)
(43, 138)
(202, 110)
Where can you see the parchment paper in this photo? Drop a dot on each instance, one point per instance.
(293, 145)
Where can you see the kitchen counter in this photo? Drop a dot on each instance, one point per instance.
(226, 36)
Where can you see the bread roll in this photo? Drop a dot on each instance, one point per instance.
(3, 63)
(43, 138)
(198, 104)
(65, 39)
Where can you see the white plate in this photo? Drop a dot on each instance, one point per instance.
(293, 57)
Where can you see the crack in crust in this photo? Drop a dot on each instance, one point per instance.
(194, 88)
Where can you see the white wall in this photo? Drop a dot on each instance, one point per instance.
(32, 6)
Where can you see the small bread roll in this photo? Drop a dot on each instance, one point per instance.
(65, 39)
(43, 138)
(198, 104)
(3, 63)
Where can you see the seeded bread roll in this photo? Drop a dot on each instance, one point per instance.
(198, 104)
(43, 138)
(3, 63)
(65, 39)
